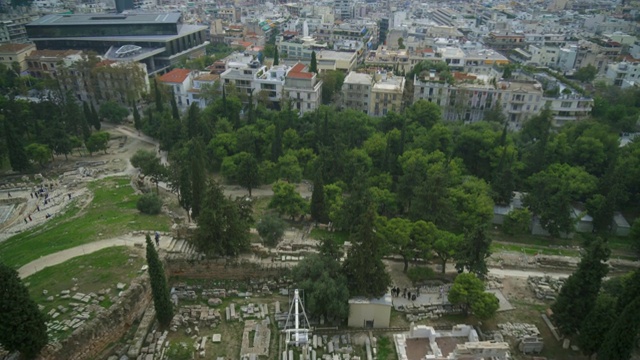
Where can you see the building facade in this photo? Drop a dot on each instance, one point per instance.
(303, 89)
(10, 53)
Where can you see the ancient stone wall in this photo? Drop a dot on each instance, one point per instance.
(90, 340)
(222, 269)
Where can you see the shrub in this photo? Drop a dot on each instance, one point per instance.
(419, 275)
(149, 204)
(517, 222)
(271, 229)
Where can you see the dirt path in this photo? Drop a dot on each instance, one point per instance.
(68, 254)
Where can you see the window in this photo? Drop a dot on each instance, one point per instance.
(566, 104)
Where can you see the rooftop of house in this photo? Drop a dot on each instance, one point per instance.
(11, 48)
(58, 54)
(358, 78)
(297, 72)
(175, 76)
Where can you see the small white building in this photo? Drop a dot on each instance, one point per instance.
(370, 313)
(303, 89)
(180, 81)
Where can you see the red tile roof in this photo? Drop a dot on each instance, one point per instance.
(105, 63)
(175, 76)
(297, 67)
(297, 73)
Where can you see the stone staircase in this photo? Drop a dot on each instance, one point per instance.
(181, 249)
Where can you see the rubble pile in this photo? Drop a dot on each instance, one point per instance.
(519, 330)
(545, 287)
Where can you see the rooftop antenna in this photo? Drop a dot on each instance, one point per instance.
(299, 334)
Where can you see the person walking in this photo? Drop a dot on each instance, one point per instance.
(157, 239)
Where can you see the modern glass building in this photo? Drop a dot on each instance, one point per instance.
(162, 39)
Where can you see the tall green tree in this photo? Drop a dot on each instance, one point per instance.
(159, 288)
(445, 247)
(318, 208)
(150, 165)
(15, 144)
(223, 226)
(198, 175)
(579, 293)
(158, 96)
(551, 194)
(287, 201)
(595, 326)
(325, 287)
(313, 67)
(247, 172)
(472, 253)
(468, 292)
(175, 113)
(137, 120)
(364, 269)
(276, 57)
(22, 325)
(397, 234)
(621, 338)
(95, 119)
(193, 128)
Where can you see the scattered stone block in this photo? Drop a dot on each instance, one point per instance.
(216, 338)
(121, 286)
(566, 343)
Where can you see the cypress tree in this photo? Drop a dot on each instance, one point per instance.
(364, 269)
(620, 339)
(313, 67)
(87, 112)
(15, 146)
(318, 205)
(95, 119)
(159, 288)
(22, 325)
(276, 145)
(137, 123)
(192, 121)
(174, 107)
(158, 95)
(276, 57)
(198, 177)
(580, 292)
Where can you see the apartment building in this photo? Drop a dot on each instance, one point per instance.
(243, 75)
(44, 63)
(303, 89)
(12, 28)
(10, 53)
(270, 84)
(623, 74)
(337, 60)
(180, 81)
(200, 82)
(356, 91)
(504, 42)
(386, 94)
(568, 108)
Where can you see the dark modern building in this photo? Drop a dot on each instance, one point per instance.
(158, 40)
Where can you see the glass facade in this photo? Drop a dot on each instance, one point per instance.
(44, 31)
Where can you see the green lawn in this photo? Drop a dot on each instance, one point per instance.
(338, 236)
(111, 213)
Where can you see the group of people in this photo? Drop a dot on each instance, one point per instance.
(395, 292)
(42, 193)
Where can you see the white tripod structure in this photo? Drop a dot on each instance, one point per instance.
(297, 336)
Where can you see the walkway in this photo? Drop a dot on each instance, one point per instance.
(167, 244)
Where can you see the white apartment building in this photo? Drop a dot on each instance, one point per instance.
(303, 89)
(199, 82)
(180, 81)
(271, 83)
(243, 75)
(623, 74)
(375, 95)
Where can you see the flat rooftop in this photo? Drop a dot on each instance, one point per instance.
(336, 55)
(105, 19)
(358, 78)
(183, 30)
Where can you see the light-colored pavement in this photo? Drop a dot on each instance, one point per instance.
(64, 255)
(527, 273)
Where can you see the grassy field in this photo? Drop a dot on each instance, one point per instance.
(111, 213)
(90, 273)
(338, 236)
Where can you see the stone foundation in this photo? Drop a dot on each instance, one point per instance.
(90, 340)
(221, 269)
